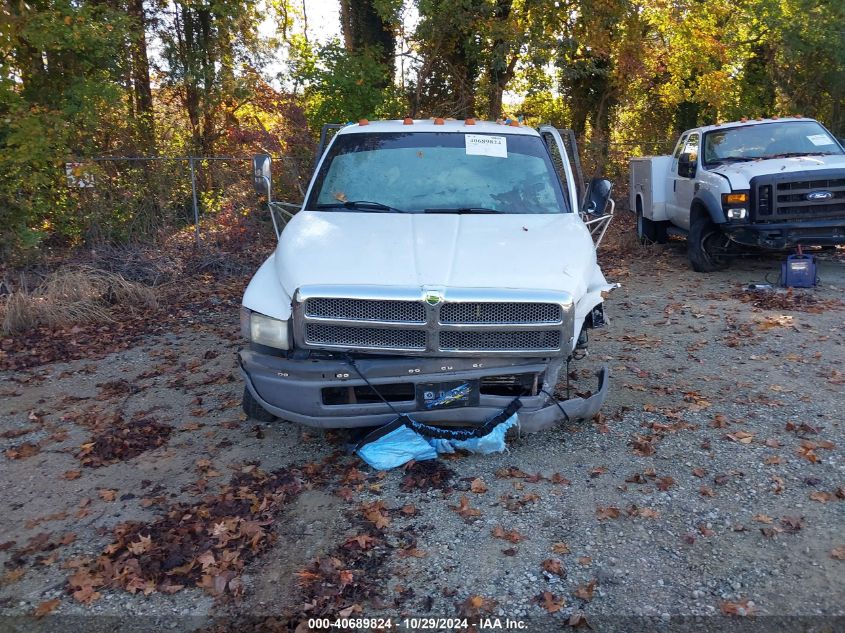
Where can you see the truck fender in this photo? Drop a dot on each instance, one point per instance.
(265, 294)
(712, 204)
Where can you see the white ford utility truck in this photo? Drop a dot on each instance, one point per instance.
(768, 183)
(440, 269)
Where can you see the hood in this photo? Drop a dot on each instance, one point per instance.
(532, 252)
(740, 174)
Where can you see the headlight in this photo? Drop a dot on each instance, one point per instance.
(735, 205)
(264, 330)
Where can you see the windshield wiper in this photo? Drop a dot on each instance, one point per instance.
(794, 154)
(461, 210)
(377, 207)
(734, 159)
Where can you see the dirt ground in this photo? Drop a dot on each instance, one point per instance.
(709, 495)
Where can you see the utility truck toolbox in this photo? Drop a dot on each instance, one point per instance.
(771, 183)
(438, 269)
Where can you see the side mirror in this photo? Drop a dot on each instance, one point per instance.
(687, 165)
(597, 196)
(261, 175)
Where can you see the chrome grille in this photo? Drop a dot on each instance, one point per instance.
(365, 310)
(463, 321)
(364, 337)
(507, 313)
(534, 340)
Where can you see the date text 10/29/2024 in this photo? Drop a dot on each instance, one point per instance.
(415, 624)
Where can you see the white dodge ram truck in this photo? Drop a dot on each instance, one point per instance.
(436, 268)
(771, 183)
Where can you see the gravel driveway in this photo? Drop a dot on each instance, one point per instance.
(709, 495)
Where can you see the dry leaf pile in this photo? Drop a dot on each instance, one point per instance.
(122, 440)
(205, 544)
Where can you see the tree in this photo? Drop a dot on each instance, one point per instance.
(208, 47)
(369, 26)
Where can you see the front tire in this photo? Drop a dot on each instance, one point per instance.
(253, 409)
(707, 245)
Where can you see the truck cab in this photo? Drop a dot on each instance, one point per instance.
(768, 183)
(438, 269)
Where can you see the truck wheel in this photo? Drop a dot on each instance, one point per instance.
(645, 229)
(649, 231)
(707, 245)
(254, 410)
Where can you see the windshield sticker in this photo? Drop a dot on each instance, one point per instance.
(820, 139)
(483, 145)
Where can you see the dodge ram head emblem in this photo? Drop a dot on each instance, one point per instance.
(433, 298)
(819, 195)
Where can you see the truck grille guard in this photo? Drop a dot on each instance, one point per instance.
(454, 322)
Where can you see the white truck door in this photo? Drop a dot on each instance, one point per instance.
(679, 197)
(560, 160)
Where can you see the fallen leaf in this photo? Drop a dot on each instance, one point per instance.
(578, 620)
(86, 595)
(559, 479)
(478, 486)
(464, 510)
(762, 518)
(838, 552)
(792, 524)
(13, 575)
(509, 535)
(743, 437)
(550, 602)
(821, 497)
(71, 474)
(585, 592)
(560, 548)
(664, 483)
(609, 512)
(411, 552)
(741, 608)
(107, 494)
(553, 566)
(46, 607)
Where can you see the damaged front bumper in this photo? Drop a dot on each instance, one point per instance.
(295, 389)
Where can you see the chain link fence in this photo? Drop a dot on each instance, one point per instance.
(136, 198)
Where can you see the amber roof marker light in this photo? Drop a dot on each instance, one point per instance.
(407, 121)
(363, 122)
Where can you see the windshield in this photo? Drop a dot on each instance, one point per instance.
(769, 140)
(438, 172)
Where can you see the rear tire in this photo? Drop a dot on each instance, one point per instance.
(645, 229)
(706, 245)
(649, 231)
(253, 409)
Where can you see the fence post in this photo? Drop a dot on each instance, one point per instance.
(194, 195)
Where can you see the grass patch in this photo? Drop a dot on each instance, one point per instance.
(74, 296)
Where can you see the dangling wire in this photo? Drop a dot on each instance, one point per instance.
(559, 406)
